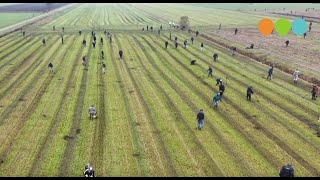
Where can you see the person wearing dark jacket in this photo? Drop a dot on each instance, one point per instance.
(170, 36)
(166, 44)
(200, 118)
(210, 71)
(286, 171)
(287, 43)
(192, 39)
(219, 80)
(270, 71)
(44, 42)
(249, 92)
(314, 92)
(215, 57)
(221, 89)
(120, 53)
(197, 33)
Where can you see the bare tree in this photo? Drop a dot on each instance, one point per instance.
(184, 22)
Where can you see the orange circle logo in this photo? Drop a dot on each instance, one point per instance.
(265, 26)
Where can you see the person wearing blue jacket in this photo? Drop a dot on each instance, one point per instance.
(270, 73)
(216, 98)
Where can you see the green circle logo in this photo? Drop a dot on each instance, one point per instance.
(282, 27)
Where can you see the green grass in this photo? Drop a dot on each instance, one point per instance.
(146, 103)
(8, 19)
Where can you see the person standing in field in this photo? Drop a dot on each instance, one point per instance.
(249, 93)
(50, 66)
(286, 171)
(62, 29)
(216, 99)
(94, 44)
(215, 57)
(219, 26)
(101, 41)
(170, 36)
(80, 32)
(218, 80)
(24, 33)
(103, 68)
(304, 35)
(161, 27)
(296, 75)
(192, 39)
(143, 29)
(314, 92)
(62, 39)
(200, 118)
(197, 33)
(185, 44)
(120, 53)
(147, 28)
(210, 71)
(44, 42)
(270, 71)
(201, 47)
(235, 31)
(92, 112)
(166, 44)
(102, 55)
(159, 32)
(221, 89)
(84, 42)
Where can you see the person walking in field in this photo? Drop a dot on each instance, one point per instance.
(102, 55)
(219, 26)
(159, 32)
(192, 39)
(296, 75)
(120, 53)
(176, 45)
(94, 38)
(101, 41)
(210, 71)
(44, 42)
(50, 66)
(103, 68)
(197, 33)
(314, 92)
(62, 29)
(23, 33)
(221, 89)
(200, 118)
(151, 28)
(216, 99)
(215, 57)
(218, 80)
(235, 31)
(92, 112)
(84, 43)
(201, 47)
(249, 93)
(166, 44)
(161, 27)
(147, 28)
(286, 171)
(287, 43)
(304, 35)
(62, 42)
(170, 36)
(84, 60)
(94, 44)
(80, 32)
(270, 71)
(143, 29)
(185, 44)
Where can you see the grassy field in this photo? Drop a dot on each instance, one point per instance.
(146, 102)
(7, 19)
